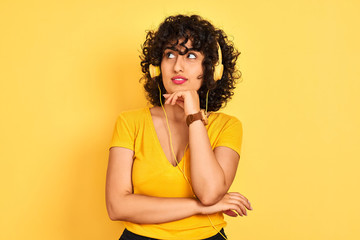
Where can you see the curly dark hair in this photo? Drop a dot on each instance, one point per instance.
(205, 39)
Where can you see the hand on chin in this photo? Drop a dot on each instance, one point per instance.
(179, 101)
(187, 100)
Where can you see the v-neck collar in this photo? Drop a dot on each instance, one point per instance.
(156, 139)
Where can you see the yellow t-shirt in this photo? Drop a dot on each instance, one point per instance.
(154, 175)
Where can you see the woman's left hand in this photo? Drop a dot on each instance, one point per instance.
(188, 100)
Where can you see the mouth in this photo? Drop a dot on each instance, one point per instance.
(179, 79)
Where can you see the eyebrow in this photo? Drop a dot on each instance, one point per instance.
(180, 52)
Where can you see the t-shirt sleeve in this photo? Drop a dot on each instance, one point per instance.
(123, 135)
(231, 135)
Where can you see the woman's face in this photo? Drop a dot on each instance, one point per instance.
(182, 72)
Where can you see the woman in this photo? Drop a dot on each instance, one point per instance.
(171, 165)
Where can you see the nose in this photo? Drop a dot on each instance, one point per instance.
(179, 64)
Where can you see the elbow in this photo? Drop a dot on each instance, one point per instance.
(113, 216)
(116, 216)
(114, 213)
(116, 208)
(115, 203)
(210, 195)
(210, 198)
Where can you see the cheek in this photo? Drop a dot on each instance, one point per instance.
(200, 72)
(200, 68)
(165, 69)
(162, 69)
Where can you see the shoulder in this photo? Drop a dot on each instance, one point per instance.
(132, 119)
(223, 119)
(227, 131)
(134, 114)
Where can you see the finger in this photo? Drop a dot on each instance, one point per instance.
(173, 100)
(247, 205)
(230, 213)
(238, 194)
(239, 204)
(241, 197)
(236, 209)
(242, 201)
(168, 100)
(243, 209)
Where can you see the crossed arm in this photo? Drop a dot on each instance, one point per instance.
(123, 205)
(212, 172)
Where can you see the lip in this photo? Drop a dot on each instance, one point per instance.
(179, 79)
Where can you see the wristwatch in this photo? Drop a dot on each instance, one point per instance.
(197, 116)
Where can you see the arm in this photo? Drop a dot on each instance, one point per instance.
(212, 172)
(123, 205)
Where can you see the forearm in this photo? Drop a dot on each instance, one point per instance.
(152, 210)
(207, 176)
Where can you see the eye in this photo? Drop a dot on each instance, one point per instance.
(169, 55)
(192, 56)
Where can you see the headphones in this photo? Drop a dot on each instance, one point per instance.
(218, 68)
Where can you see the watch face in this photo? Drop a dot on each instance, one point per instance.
(204, 117)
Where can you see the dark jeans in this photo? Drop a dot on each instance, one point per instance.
(127, 235)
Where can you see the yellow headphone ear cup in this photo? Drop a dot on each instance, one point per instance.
(154, 71)
(218, 72)
(219, 67)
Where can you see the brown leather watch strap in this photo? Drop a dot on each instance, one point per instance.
(197, 116)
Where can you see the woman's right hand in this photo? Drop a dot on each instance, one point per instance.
(232, 204)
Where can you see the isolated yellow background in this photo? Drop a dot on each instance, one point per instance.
(67, 68)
